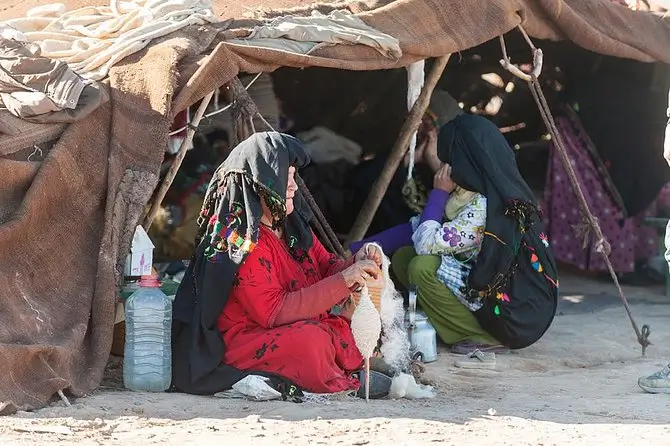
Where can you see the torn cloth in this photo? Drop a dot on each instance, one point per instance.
(93, 39)
(43, 90)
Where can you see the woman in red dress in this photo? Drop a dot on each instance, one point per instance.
(276, 281)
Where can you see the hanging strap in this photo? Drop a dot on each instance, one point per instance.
(590, 228)
(243, 112)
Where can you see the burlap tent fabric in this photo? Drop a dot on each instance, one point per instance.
(66, 223)
(67, 227)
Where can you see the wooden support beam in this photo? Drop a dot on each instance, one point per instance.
(176, 164)
(410, 126)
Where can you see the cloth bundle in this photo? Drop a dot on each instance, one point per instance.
(305, 34)
(93, 39)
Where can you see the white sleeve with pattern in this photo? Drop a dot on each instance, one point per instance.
(453, 237)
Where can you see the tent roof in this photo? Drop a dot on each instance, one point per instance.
(604, 26)
(424, 28)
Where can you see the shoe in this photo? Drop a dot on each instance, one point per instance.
(467, 347)
(478, 360)
(380, 385)
(659, 382)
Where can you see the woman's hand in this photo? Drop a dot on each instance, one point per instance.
(360, 272)
(369, 252)
(442, 179)
(430, 152)
(426, 148)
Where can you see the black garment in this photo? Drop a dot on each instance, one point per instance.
(230, 218)
(515, 270)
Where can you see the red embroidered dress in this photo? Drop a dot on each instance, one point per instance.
(316, 353)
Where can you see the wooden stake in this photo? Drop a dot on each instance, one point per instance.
(176, 164)
(367, 380)
(410, 126)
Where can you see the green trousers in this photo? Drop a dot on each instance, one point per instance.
(452, 320)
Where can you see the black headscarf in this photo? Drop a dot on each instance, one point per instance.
(228, 230)
(515, 271)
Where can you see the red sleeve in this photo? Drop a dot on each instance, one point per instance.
(268, 304)
(329, 264)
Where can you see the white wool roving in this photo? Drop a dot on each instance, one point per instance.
(415, 79)
(395, 344)
(366, 326)
(405, 386)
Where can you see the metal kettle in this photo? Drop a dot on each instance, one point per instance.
(422, 335)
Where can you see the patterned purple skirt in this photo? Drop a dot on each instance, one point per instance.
(630, 239)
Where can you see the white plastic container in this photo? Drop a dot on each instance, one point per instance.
(147, 364)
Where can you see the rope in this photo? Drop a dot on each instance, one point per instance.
(216, 106)
(324, 236)
(244, 111)
(320, 219)
(64, 398)
(602, 246)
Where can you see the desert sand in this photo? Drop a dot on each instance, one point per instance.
(577, 386)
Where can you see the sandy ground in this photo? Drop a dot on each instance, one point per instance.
(575, 387)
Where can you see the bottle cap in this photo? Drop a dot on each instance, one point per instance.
(150, 281)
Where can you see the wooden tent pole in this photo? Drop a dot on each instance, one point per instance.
(410, 126)
(176, 164)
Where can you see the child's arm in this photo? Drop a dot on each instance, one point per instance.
(390, 240)
(459, 235)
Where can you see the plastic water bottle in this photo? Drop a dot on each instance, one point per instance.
(147, 364)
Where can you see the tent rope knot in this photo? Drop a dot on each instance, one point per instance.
(538, 59)
(585, 232)
(602, 246)
(590, 225)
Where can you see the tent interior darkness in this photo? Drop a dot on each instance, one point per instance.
(370, 107)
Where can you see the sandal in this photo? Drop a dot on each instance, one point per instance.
(467, 347)
(380, 385)
(478, 360)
